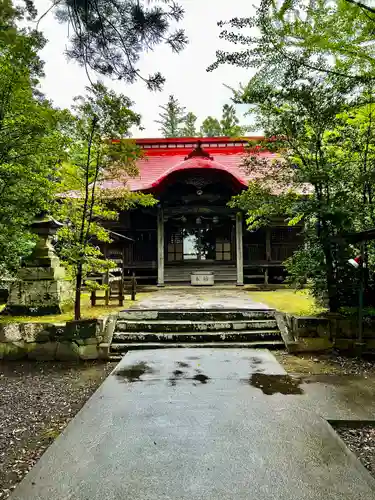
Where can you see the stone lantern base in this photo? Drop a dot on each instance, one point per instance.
(41, 286)
(44, 291)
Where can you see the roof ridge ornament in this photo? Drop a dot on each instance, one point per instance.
(199, 152)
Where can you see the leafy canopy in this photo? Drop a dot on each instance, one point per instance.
(33, 138)
(334, 37)
(98, 153)
(210, 127)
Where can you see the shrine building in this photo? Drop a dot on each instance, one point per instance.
(192, 228)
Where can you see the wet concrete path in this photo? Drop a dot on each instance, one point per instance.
(201, 424)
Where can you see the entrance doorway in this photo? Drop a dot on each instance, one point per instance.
(198, 244)
(199, 240)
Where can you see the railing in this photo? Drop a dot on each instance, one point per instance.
(115, 293)
(141, 250)
(256, 252)
(253, 252)
(109, 294)
(281, 252)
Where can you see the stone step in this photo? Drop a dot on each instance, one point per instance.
(185, 272)
(196, 314)
(188, 337)
(187, 279)
(191, 326)
(123, 348)
(218, 272)
(206, 267)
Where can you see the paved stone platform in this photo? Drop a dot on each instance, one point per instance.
(196, 424)
(229, 297)
(340, 397)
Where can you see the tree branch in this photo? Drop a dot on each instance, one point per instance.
(362, 5)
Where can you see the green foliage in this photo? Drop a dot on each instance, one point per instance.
(323, 175)
(334, 37)
(210, 127)
(229, 122)
(109, 36)
(172, 118)
(176, 123)
(312, 95)
(32, 139)
(228, 126)
(98, 153)
(189, 128)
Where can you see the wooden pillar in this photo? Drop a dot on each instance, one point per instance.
(160, 236)
(239, 248)
(268, 253)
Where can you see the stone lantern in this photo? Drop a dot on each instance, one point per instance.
(41, 286)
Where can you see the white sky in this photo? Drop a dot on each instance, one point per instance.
(186, 77)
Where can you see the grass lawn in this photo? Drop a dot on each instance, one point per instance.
(300, 303)
(86, 312)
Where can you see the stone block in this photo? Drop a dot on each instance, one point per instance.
(103, 350)
(370, 344)
(324, 329)
(82, 329)
(346, 328)
(93, 341)
(344, 344)
(13, 350)
(293, 347)
(41, 273)
(304, 327)
(90, 341)
(10, 332)
(137, 314)
(109, 327)
(31, 332)
(39, 296)
(57, 331)
(44, 351)
(88, 351)
(289, 321)
(305, 323)
(314, 344)
(67, 351)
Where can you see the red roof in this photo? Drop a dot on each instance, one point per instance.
(165, 156)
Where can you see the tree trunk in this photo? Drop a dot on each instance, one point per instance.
(333, 302)
(82, 239)
(77, 299)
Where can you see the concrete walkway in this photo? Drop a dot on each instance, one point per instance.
(198, 424)
(229, 297)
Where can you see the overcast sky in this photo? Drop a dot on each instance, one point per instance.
(186, 77)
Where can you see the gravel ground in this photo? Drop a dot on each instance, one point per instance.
(360, 441)
(332, 362)
(37, 400)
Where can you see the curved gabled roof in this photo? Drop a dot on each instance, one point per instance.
(163, 157)
(199, 163)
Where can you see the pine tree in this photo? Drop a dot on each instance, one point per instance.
(108, 36)
(189, 129)
(211, 127)
(171, 118)
(229, 122)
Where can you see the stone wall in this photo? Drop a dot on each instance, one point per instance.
(319, 334)
(73, 340)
